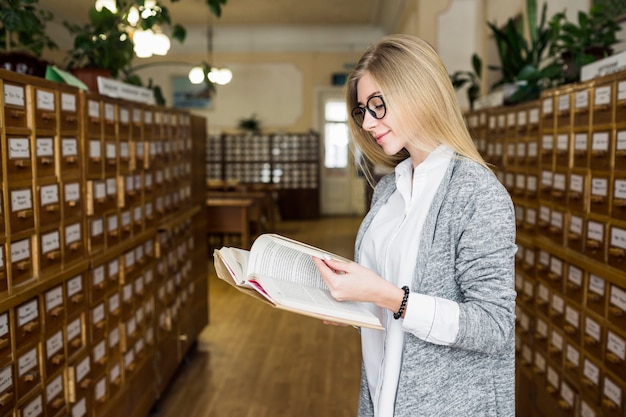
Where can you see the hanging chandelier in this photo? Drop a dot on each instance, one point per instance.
(219, 76)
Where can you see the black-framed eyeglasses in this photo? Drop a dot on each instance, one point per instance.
(375, 106)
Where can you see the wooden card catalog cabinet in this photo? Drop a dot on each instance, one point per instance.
(54, 306)
(7, 388)
(98, 324)
(96, 197)
(618, 207)
(114, 377)
(613, 397)
(70, 166)
(73, 243)
(617, 246)
(45, 156)
(617, 306)
(110, 118)
(615, 353)
(79, 408)
(55, 395)
(5, 336)
(100, 391)
(568, 397)
(69, 110)
(581, 150)
(49, 203)
(582, 106)
(28, 370)
(596, 295)
(110, 157)
(19, 166)
(94, 161)
(98, 283)
(603, 103)
(50, 251)
(547, 111)
(595, 241)
(602, 148)
(572, 323)
(27, 322)
(4, 285)
(32, 407)
(21, 206)
(75, 331)
(45, 109)
(76, 298)
(95, 237)
(93, 115)
(99, 356)
(79, 378)
(126, 224)
(575, 284)
(564, 108)
(112, 225)
(54, 353)
(591, 378)
(124, 122)
(572, 361)
(14, 105)
(599, 197)
(563, 150)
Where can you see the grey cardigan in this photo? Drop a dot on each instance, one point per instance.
(466, 254)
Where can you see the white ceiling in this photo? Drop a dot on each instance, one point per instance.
(190, 13)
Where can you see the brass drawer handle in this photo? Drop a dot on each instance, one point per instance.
(616, 311)
(592, 296)
(593, 244)
(609, 404)
(56, 312)
(77, 298)
(6, 398)
(52, 208)
(74, 247)
(590, 340)
(619, 203)
(76, 343)
(85, 383)
(22, 163)
(564, 405)
(618, 252)
(597, 199)
(58, 403)
(569, 329)
(573, 236)
(24, 214)
(4, 343)
(70, 118)
(53, 255)
(70, 160)
(613, 358)
(30, 327)
(57, 359)
(17, 114)
(47, 161)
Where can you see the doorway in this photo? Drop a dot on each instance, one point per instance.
(342, 190)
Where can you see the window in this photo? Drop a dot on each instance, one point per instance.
(335, 134)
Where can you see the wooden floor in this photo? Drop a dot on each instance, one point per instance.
(256, 361)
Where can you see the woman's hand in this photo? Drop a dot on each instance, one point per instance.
(351, 281)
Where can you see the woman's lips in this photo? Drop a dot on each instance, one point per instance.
(379, 138)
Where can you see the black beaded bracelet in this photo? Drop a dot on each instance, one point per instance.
(405, 299)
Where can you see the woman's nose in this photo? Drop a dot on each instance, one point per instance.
(369, 121)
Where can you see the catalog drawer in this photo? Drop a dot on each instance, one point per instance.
(45, 108)
(54, 352)
(54, 309)
(55, 395)
(49, 192)
(14, 104)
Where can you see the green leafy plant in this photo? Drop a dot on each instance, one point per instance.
(106, 40)
(591, 38)
(473, 78)
(23, 27)
(250, 124)
(522, 61)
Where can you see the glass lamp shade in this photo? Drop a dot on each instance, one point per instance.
(196, 75)
(160, 44)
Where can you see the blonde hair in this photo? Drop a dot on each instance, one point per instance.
(416, 88)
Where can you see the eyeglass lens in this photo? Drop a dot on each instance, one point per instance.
(375, 106)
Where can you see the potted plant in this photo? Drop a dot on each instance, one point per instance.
(250, 125)
(591, 38)
(522, 62)
(23, 36)
(460, 78)
(104, 46)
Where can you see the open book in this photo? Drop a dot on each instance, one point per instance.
(280, 271)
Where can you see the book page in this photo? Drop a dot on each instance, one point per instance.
(236, 260)
(315, 302)
(269, 257)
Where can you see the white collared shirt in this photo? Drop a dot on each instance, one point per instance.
(390, 247)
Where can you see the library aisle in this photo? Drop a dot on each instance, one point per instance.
(256, 361)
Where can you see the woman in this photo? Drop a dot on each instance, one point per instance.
(434, 257)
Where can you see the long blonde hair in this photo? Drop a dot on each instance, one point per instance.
(416, 88)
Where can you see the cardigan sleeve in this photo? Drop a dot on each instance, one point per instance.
(485, 268)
